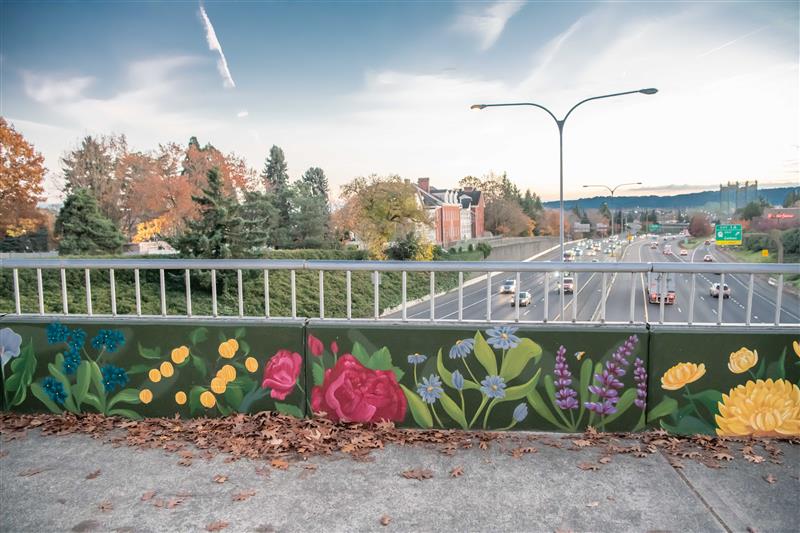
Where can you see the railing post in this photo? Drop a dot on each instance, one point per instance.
(40, 290)
(137, 292)
(348, 283)
(720, 297)
(88, 281)
(187, 280)
(113, 286)
(64, 299)
(17, 304)
(460, 296)
(778, 298)
(749, 310)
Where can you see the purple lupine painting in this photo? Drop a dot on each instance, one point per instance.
(607, 384)
(566, 396)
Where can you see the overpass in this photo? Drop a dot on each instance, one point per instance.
(466, 358)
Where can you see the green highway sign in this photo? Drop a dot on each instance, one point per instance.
(655, 227)
(728, 234)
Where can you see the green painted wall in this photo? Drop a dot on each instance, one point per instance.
(139, 369)
(725, 382)
(406, 374)
(704, 380)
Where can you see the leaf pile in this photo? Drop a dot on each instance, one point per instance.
(280, 439)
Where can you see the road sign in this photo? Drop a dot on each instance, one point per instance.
(655, 227)
(581, 228)
(765, 252)
(728, 234)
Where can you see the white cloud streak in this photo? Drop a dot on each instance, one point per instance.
(243, 113)
(488, 24)
(214, 45)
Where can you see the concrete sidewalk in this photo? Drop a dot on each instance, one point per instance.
(77, 483)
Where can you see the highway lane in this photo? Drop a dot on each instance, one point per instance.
(618, 290)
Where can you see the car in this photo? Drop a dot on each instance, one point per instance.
(569, 256)
(595, 260)
(653, 246)
(608, 251)
(524, 299)
(707, 242)
(713, 291)
(508, 286)
(708, 259)
(667, 249)
(684, 252)
(579, 252)
(569, 285)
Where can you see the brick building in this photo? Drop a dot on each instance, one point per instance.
(456, 214)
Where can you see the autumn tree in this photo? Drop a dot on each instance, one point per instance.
(699, 226)
(381, 209)
(505, 217)
(21, 180)
(82, 229)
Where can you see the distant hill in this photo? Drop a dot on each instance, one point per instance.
(689, 200)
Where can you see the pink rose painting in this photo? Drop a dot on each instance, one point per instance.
(350, 392)
(281, 373)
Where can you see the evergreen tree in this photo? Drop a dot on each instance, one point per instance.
(83, 229)
(309, 216)
(315, 177)
(217, 234)
(275, 170)
(260, 219)
(276, 180)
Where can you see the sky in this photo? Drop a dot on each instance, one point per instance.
(385, 87)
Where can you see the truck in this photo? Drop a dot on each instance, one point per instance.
(654, 294)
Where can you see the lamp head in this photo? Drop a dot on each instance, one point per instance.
(477, 106)
(648, 91)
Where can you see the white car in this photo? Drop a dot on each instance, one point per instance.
(508, 286)
(684, 252)
(524, 299)
(708, 259)
(713, 291)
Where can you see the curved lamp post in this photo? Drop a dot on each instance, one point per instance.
(560, 124)
(612, 190)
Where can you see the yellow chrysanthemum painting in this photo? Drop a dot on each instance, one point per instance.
(760, 408)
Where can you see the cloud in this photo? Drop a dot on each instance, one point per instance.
(243, 113)
(213, 44)
(488, 23)
(48, 90)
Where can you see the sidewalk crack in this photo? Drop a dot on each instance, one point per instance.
(700, 497)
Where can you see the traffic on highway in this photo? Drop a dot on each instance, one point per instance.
(537, 290)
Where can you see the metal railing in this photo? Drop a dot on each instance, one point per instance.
(449, 285)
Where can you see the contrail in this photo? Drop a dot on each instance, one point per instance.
(720, 47)
(213, 44)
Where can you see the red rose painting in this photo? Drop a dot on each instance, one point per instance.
(350, 392)
(281, 373)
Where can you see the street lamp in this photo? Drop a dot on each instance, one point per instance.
(612, 191)
(560, 124)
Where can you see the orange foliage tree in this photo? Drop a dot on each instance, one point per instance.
(21, 179)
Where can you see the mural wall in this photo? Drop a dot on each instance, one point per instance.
(152, 369)
(551, 378)
(725, 383)
(499, 377)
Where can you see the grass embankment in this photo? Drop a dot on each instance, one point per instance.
(307, 286)
(749, 256)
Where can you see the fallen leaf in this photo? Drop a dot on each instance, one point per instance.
(31, 472)
(219, 525)
(93, 475)
(582, 443)
(105, 506)
(385, 519)
(604, 460)
(457, 471)
(3, 453)
(185, 461)
(147, 496)
(769, 478)
(219, 478)
(588, 466)
(280, 464)
(244, 495)
(172, 503)
(592, 504)
(722, 456)
(754, 458)
(418, 474)
(263, 471)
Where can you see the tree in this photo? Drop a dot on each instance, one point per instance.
(315, 177)
(216, 234)
(276, 180)
(380, 209)
(21, 179)
(259, 219)
(792, 197)
(752, 210)
(505, 217)
(309, 217)
(699, 226)
(92, 166)
(82, 228)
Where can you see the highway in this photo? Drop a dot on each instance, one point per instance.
(618, 288)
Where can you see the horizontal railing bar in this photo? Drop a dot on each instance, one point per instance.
(398, 266)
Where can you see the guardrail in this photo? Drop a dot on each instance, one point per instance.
(264, 269)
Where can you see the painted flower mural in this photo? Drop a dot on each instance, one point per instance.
(742, 360)
(101, 372)
(761, 408)
(682, 375)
